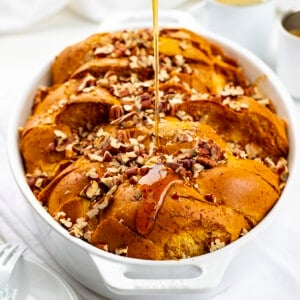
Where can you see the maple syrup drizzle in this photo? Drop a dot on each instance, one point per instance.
(156, 72)
(156, 183)
(154, 187)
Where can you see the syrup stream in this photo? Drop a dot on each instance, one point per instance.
(156, 72)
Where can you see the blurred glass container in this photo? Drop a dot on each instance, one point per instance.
(288, 55)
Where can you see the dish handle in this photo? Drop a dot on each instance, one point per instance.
(141, 19)
(148, 279)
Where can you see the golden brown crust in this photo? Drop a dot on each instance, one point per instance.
(89, 154)
(37, 148)
(262, 127)
(241, 189)
(199, 221)
(73, 57)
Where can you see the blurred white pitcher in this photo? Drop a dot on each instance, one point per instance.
(247, 22)
(288, 55)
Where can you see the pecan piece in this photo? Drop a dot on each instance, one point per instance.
(131, 171)
(209, 154)
(87, 81)
(123, 136)
(127, 120)
(115, 112)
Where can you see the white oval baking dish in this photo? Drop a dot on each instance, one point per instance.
(127, 278)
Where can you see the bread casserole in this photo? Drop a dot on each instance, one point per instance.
(90, 159)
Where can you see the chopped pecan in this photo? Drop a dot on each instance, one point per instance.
(144, 170)
(102, 143)
(133, 179)
(60, 135)
(186, 163)
(127, 120)
(88, 81)
(146, 101)
(209, 154)
(91, 191)
(122, 251)
(103, 50)
(107, 156)
(173, 165)
(92, 173)
(131, 171)
(115, 112)
(123, 135)
(120, 49)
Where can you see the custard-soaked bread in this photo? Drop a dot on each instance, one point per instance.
(90, 158)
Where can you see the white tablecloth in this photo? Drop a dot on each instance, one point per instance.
(269, 267)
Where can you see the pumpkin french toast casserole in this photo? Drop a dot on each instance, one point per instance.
(90, 157)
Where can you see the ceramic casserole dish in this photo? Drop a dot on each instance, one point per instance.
(120, 277)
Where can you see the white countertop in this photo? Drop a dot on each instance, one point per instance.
(270, 266)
